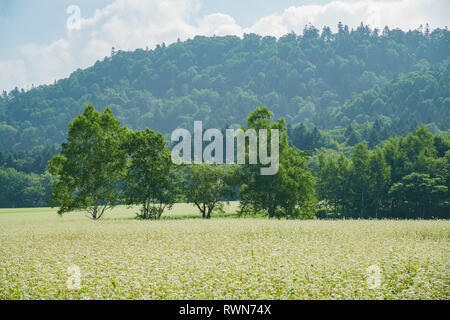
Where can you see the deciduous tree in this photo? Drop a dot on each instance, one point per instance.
(91, 164)
(206, 186)
(152, 179)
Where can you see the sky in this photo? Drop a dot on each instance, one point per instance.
(44, 40)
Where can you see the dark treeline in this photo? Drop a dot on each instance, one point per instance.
(372, 133)
(24, 180)
(24, 190)
(409, 177)
(29, 161)
(323, 79)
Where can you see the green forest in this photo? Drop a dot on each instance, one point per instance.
(365, 116)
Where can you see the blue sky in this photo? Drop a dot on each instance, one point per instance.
(247, 12)
(42, 21)
(37, 47)
(37, 21)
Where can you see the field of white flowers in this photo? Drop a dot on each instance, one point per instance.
(43, 256)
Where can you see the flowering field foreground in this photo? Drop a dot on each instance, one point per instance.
(43, 256)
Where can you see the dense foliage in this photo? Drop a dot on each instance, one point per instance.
(18, 189)
(207, 186)
(408, 178)
(323, 79)
(287, 194)
(91, 165)
(352, 99)
(151, 178)
(34, 160)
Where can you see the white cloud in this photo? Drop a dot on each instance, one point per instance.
(125, 25)
(403, 14)
(219, 24)
(131, 24)
(11, 74)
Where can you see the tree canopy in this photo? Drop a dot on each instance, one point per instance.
(151, 178)
(365, 112)
(323, 79)
(91, 164)
(287, 193)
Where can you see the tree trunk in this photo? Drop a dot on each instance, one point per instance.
(94, 213)
(210, 209)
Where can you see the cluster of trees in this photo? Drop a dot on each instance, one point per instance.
(305, 139)
(374, 134)
(103, 164)
(422, 95)
(335, 90)
(24, 180)
(323, 79)
(409, 177)
(29, 161)
(19, 189)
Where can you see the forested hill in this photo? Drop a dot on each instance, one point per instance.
(320, 78)
(422, 95)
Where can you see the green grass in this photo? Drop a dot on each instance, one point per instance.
(224, 258)
(179, 211)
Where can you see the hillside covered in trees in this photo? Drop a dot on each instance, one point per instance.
(322, 79)
(371, 107)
